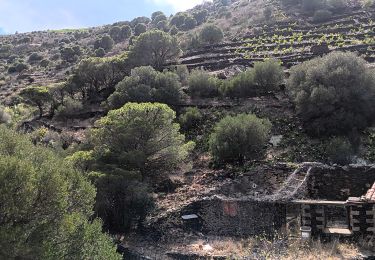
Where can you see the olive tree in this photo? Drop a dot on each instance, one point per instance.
(240, 138)
(334, 94)
(154, 48)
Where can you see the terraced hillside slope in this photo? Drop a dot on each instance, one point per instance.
(291, 42)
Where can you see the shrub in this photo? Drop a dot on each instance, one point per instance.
(189, 23)
(202, 84)
(241, 85)
(178, 20)
(268, 75)
(70, 54)
(322, 16)
(44, 63)
(139, 29)
(191, 118)
(240, 138)
(115, 33)
(200, 16)
(35, 57)
(173, 30)
(163, 26)
(4, 116)
(70, 108)
(147, 85)
(105, 42)
(334, 94)
(126, 32)
(100, 52)
(211, 34)
(159, 18)
(311, 6)
(18, 67)
(339, 150)
(154, 48)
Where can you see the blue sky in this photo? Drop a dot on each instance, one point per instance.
(34, 15)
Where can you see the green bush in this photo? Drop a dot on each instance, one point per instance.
(241, 85)
(189, 23)
(191, 118)
(44, 63)
(69, 108)
(4, 116)
(35, 57)
(334, 94)
(211, 34)
(264, 77)
(140, 137)
(105, 42)
(178, 20)
(202, 84)
(154, 48)
(18, 67)
(100, 52)
(48, 206)
(339, 150)
(139, 29)
(147, 85)
(238, 139)
(268, 75)
(322, 16)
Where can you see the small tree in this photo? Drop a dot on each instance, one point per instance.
(154, 48)
(126, 32)
(334, 94)
(106, 42)
(211, 34)
(115, 33)
(240, 138)
(268, 75)
(189, 23)
(36, 96)
(46, 206)
(339, 150)
(200, 16)
(140, 137)
(191, 118)
(147, 85)
(139, 29)
(202, 84)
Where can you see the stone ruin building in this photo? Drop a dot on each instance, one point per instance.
(328, 200)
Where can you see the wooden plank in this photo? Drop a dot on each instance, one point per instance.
(338, 231)
(320, 202)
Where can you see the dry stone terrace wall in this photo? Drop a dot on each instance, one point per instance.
(291, 43)
(339, 183)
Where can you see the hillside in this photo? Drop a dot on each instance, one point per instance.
(220, 132)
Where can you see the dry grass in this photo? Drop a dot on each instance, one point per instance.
(261, 248)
